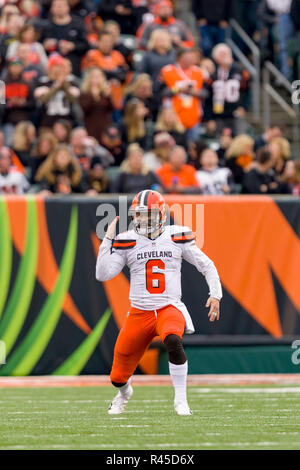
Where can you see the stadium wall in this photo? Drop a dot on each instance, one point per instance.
(55, 318)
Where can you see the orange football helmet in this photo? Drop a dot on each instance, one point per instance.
(148, 212)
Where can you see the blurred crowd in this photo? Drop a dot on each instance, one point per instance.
(117, 96)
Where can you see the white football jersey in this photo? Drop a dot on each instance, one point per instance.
(13, 183)
(212, 182)
(155, 267)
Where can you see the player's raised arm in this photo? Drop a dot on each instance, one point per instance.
(109, 262)
(192, 254)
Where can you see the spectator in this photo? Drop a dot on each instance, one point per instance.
(212, 18)
(62, 131)
(134, 128)
(169, 122)
(211, 178)
(95, 102)
(208, 68)
(65, 34)
(111, 62)
(261, 178)
(19, 98)
(227, 101)
(225, 142)
(57, 92)
(85, 148)
(291, 176)
(183, 82)
(163, 143)
(135, 176)
(111, 139)
(164, 19)
(142, 89)
(31, 72)
(107, 58)
(268, 20)
(246, 14)
(159, 54)
(60, 173)
(285, 30)
(23, 140)
(46, 143)
(28, 35)
(12, 181)
(176, 175)
(15, 161)
(195, 149)
(112, 28)
(94, 25)
(281, 153)
(121, 11)
(239, 156)
(97, 178)
(166, 101)
(69, 72)
(270, 133)
(7, 11)
(14, 25)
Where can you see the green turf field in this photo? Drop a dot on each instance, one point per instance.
(224, 418)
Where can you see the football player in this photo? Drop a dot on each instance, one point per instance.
(153, 252)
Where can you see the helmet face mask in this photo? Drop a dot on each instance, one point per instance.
(145, 221)
(148, 213)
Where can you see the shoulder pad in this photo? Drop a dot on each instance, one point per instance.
(128, 235)
(123, 244)
(125, 240)
(181, 234)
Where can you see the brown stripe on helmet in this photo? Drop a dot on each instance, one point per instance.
(146, 197)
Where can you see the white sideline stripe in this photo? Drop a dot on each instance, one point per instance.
(134, 426)
(247, 390)
(85, 401)
(266, 443)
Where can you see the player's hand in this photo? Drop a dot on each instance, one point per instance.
(214, 311)
(111, 230)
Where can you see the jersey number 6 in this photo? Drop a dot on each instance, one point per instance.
(155, 282)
